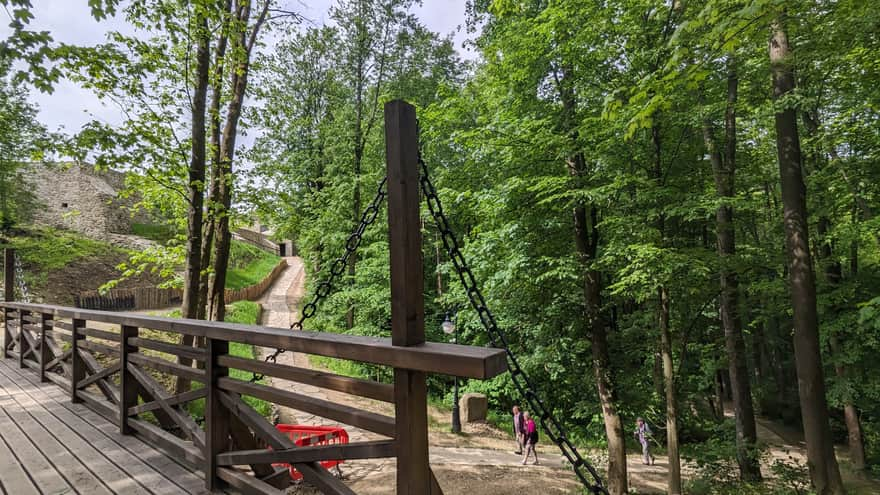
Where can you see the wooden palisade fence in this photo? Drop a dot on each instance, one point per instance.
(155, 298)
(89, 352)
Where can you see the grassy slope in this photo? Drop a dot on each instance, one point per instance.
(248, 265)
(43, 249)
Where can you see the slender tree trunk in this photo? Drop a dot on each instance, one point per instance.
(824, 471)
(196, 178)
(243, 43)
(724, 170)
(674, 478)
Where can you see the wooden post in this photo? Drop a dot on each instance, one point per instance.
(217, 428)
(407, 303)
(22, 341)
(8, 294)
(78, 367)
(44, 349)
(128, 385)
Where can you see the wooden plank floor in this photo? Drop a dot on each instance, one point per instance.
(49, 446)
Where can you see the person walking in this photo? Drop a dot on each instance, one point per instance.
(519, 426)
(531, 438)
(643, 434)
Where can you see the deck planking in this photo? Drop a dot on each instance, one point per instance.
(50, 446)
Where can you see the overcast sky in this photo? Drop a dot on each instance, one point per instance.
(69, 21)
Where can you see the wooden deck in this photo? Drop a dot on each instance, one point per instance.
(50, 446)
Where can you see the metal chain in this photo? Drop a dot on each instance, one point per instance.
(22, 286)
(520, 380)
(371, 212)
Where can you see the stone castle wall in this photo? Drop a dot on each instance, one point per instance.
(76, 197)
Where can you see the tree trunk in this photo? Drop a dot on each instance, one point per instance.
(674, 474)
(674, 478)
(243, 43)
(824, 471)
(724, 171)
(196, 179)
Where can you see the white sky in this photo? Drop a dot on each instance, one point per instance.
(70, 21)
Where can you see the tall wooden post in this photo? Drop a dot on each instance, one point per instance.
(128, 385)
(8, 294)
(23, 342)
(45, 355)
(77, 366)
(217, 425)
(407, 303)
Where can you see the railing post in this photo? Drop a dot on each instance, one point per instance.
(128, 387)
(216, 419)
(407, 303)
(46, 320)
(77, 367)
(22, 342)
(8, 293)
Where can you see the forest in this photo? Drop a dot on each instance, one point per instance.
(670, 207)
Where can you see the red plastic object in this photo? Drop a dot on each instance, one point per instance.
(303, 435)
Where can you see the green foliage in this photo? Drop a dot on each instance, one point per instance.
(44, 249)
(248, 265)
(159, 233)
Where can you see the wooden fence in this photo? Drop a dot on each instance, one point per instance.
(61, 344)
(153, 298)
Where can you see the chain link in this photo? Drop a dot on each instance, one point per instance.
(521, 381)
(337, 268)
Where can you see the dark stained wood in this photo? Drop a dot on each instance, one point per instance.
(181, 418)
(182, 450)
(8, 295)
(242, 438)
(173, 349)
(128, 385)
(78, 367)
(63, 325)
(100, 334)
(33, 319)
(369, 421)
(101, 375)
(57, 360)
(216, 416)
(430, 357)
(362, 388)
(407, 295)
(362, 450)
(45, 353)
(245, 483)
(107, 350)
(110, 391)
(23, 337)
(160, 364)
(99, 405)
(312, 472)
(171, 401)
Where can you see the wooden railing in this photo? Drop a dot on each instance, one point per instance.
(118, 366)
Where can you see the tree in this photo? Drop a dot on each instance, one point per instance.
(822, 462)
(22, 140)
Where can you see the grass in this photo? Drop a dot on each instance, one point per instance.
(51, 249)
(159, 233)
(248, 265)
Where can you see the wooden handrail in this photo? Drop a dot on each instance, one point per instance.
(430, 357)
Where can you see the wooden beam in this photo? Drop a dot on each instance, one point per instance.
(353, 416)
(246, 484)
(312, 472)
(128, 384)
(430, 357)
(101, 375)
(361, 450)
(216, 416)
(407, 295)
(171, 401)
(354, 386)
(181, 418)
(45, 355)
(173, 349)
(93, 366)
(169, 367)
(78, 367)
